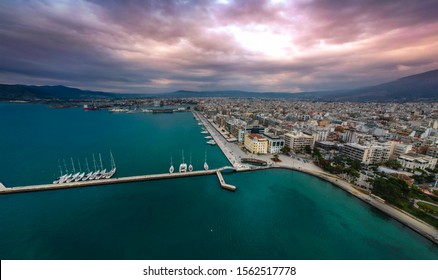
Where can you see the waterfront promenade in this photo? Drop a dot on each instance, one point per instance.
(231, 151)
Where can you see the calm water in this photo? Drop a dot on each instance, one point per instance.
(275, 214)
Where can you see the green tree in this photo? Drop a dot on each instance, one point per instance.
(307, 149)
(285, 150)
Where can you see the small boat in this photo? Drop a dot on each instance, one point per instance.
(183, 165)
(88, 175)
(96, 172)
(58, 180)
(208, 137)
(190, 165)
(205, 162)
(111, 173)
(171, 169)
(101, 174)
(211, 142)
(204, 132)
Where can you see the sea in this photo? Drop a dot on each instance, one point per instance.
(274, 214)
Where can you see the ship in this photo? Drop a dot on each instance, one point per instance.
(91, 107)
(254, 161)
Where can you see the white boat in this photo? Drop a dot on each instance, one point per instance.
(205, 162)
(190, 165)
(88, 175)
(204, 132)
(96, 172)
(171, 169)
(75, 175)
(58, 180)
(211, 142)
(111, 173)
(81, 175)
(183, 165)
(199, 123)
(208, 137)
(102, 171)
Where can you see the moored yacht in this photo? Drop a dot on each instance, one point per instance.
(183, 165)
(171, 169)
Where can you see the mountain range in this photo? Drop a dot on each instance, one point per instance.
(419, 87)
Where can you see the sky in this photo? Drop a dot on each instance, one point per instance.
(135, 46)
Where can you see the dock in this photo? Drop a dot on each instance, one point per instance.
(131, 179)
(222, 182)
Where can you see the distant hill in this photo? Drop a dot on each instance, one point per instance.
(242, 94)
(419, 87)
(24, 92)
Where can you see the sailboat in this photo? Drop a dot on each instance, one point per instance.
(66, 176)
(111, 173)
(80, 176)
(205, 162)
(61, 177)
(96, 172)
(183, 166)
(102, 172)
(190, 165)
(171, 169)
(88, 175)
(75, 175)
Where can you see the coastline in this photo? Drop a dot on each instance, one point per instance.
(417, 225)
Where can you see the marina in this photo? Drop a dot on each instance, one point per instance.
(141, 178)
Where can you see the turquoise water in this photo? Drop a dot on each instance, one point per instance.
(274, 214)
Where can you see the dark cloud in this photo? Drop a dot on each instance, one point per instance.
(150, 46)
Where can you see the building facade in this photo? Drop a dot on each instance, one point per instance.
(298, 141)
(256, 143)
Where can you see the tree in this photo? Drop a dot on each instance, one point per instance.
(394, 164)
(285, 150)
(317, 153)
(307, 149)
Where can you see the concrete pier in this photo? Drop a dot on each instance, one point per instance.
(222, 182)
(131, 179)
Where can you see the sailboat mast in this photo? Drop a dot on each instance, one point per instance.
(65, 166)
(94, 161)
(86, 162)
(100, 158)
(80, 167)
(60, 168)
(73, 164)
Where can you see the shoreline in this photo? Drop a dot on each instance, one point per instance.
(415, 224)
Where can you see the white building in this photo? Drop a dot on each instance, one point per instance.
(298, 141)
(369, 154)
(416, 161)
(275, 143)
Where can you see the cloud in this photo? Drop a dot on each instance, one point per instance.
(261, 45)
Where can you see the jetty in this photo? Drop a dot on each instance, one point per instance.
(222, 182)
(121, 180)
